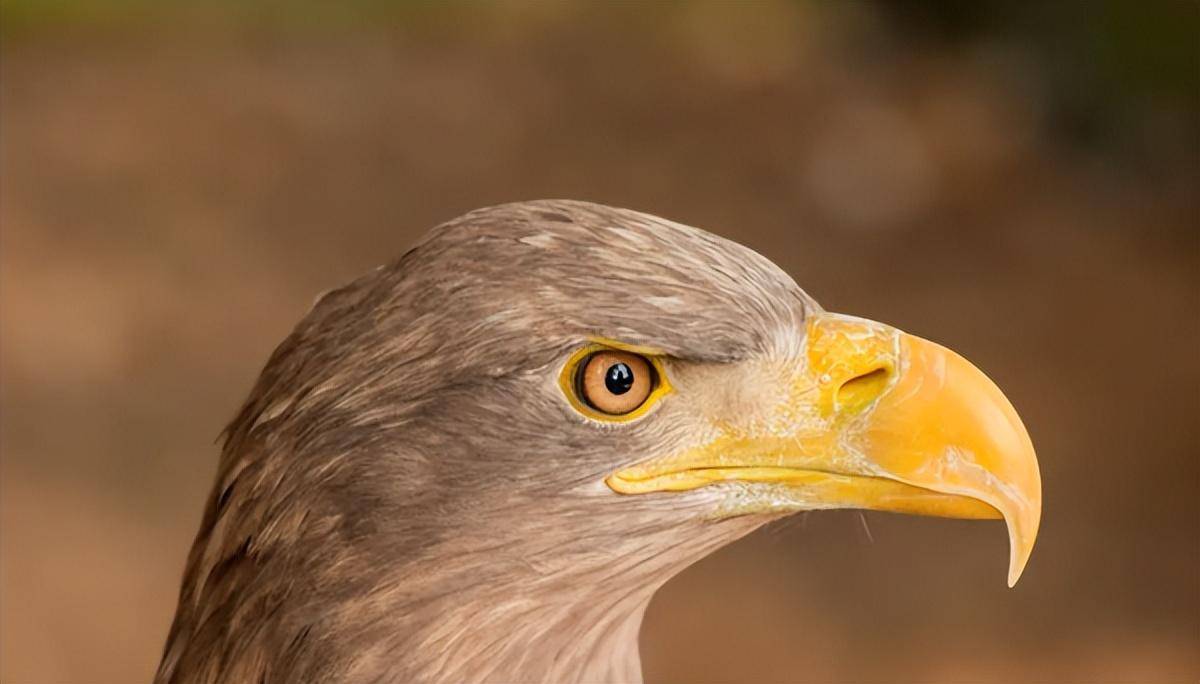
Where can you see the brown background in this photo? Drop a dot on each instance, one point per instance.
(1021, 185)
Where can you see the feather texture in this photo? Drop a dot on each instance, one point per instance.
(406, 495)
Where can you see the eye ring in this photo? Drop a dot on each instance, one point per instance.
(612, 382)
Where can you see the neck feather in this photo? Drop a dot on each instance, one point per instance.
(558, 618)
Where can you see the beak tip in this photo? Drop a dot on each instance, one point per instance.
(1016, 566)
(1013, 576)
(1020, 549)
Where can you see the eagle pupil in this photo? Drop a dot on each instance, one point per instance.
(619, 378)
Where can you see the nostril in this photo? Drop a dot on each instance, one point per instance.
(861, 390)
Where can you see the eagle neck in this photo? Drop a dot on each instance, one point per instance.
(517, 637)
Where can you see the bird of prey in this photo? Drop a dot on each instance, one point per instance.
(478, 463)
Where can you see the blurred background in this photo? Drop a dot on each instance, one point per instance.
(1018, 181)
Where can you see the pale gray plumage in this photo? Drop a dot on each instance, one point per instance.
(406, 496)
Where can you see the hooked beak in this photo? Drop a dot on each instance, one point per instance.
(874, 418)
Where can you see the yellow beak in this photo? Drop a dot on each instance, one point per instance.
(873, 418)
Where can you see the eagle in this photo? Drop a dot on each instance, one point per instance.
(479, 462)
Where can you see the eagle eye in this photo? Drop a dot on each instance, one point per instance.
(615, 382)
(610, 384)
